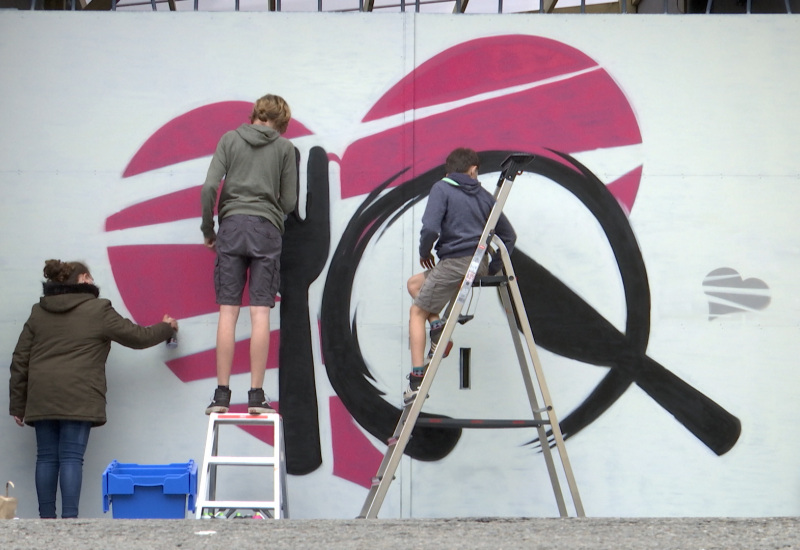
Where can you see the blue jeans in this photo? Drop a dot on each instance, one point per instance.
(60, 446)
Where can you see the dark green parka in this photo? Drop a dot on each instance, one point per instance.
(58, 370)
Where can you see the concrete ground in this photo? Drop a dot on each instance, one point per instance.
(467, 533)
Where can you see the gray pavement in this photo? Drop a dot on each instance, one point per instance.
(468, 533)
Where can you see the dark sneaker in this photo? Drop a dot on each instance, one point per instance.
(413, 388)
(436, 334)
(221, 402)
(257, 402)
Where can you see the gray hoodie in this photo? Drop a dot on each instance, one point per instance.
(260, 171)
(456, 213)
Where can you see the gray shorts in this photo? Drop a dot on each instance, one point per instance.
(247, 243)
(443, 281)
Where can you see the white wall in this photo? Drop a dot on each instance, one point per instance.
(714, 100)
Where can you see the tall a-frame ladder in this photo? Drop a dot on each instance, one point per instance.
(515, 311)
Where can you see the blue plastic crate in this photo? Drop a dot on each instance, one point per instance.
(137, 491)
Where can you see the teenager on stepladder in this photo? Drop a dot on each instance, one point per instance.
(260, 171)
(457, 210)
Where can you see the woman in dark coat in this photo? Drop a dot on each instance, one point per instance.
(58, 377)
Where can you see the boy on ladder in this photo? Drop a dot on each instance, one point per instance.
(454, 218)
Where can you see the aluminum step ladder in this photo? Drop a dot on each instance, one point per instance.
(207, 505)
(515, 310)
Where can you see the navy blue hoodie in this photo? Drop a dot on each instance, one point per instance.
(456, 213)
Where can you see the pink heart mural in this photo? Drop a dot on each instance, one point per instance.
(495, 93)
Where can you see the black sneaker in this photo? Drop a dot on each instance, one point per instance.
(413, 388)
(221, 402)
(257, 402)
(436, 334)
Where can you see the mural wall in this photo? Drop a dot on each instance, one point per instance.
(656, 254)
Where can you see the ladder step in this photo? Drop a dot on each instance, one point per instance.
(246, 504)
(244, 419)
(241, 460)
(490, 280)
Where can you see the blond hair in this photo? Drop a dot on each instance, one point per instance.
(274, 109)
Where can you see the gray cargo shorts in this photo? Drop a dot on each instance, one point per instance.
(443, 281)
(247, 243)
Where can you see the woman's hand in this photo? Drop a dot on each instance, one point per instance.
(172, 322)
(19, 421)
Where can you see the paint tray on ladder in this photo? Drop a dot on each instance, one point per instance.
(135, 491)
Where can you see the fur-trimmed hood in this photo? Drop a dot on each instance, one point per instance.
(63, 297)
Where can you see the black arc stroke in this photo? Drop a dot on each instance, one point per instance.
(561, 320)
(565, 324)
(347, 371)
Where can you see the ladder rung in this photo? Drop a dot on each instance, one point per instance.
(490, 280)
(246, 504)
(242, 460)
(245, 419)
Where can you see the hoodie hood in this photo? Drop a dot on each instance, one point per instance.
(257, 135)
(464, 182)
(60, 297)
